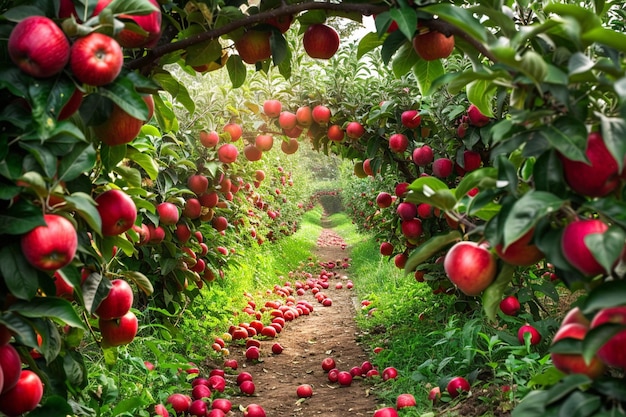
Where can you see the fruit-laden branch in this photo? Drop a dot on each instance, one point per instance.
(365, 9)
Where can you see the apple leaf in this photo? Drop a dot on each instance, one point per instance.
(368, 43)
(427, 72)
(123, 93)
(609, 294)
(20, 218)
(145, 161)
(85, 206)
(568, 135)
(54, 405)
(481, 178)
(81, 159)
(493, 293)
(459, 17)
(49, 307)
(236, 71)
(597, 337)
(94, 290)
(566, 386)
(129, 405)
(19, 275)
(404, 60)
(203, 52)
(526, 213)
(406, 18)
(177, 90)
(606, 247)
(481, 94)
(580, 403)
(429, 248)
(131, 7)
(141, 281)
(279, 47)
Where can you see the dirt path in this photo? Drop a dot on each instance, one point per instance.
(307, 340)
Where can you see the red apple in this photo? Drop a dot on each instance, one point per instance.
(72, 105)
(389, 373)
(405, 400)
(521, 252)
(198, 183)
(575, 315)
(535, 336)
(406, 211)
(283, 23)
(10, 367)
(96, 59)
(344, 378)
(200, 391)
(254, 46)
(217, 383)
(254, 410)
(386, 249)
(39, 47)
(121, 128)
(320, 41)
(304, 391)
(157, 234)
(304, 116)
(321, 114)
(192, 209)
(24, 396)
(223, 404)
(354, 130)
(423, 155)
(120, 331)
(287, 120)
(253, 353)
(227, 153)
(328, 364)
(247, 387)
(410, 119)
(160, 410)
(510, 305)
(596, 178)
(252, 153)
(234, 130)
(412, 228)
(52, 246)
(433, 45)
(209, 139)
(272, 108)
(574, 363)
(398, 142)
(335, 133)
(612, 352)
(289, 147)
(180, 403)
(276, 348)
(457, 385)
(386, 412)
(400, 260)
(434, 394)
(383, 200)
(401, 189)
(470, 266)
(476, 118)
(576, 251)
(117, 211)
(220, 223)
(117, 302)
(198, 408)
(442, 167)
(264, 142)
(168, 213)
(149, 23)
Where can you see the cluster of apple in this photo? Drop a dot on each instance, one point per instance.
(20, 389)
(365, 370)
(320, 41)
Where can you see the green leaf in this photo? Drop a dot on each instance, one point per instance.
(406, 18)
(203, 52)
(236, 71)
(164, 115)
(81, 159)
(20, 218)
(608, 37)
(122, 92)
(141, 281)
(613, 133)
(49, 307)
(85, 206)
(567, 386)
(580, 404)
(427, 72)
(429, 248)
(55, 406)
(609, 294)
(482, 178)
(131, 7)
(404, 60)
(112, 155)
(433, 191)
(527, 212)
(131, 175)
(129, 405)
(459, 17)
(606, 247)
(279, 47)
(145, 161)
(493, 294)
(95, 289)
(391, 44)
(177, 90)
(567, 135)
(368, 43)
(481, 94)
(585, 17)
(533, 404)
(19, 275)
(597, 336)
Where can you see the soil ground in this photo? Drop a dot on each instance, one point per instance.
(307, 340)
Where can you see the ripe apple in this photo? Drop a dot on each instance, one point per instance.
(180, 403)
(264, 142)
(168, 213)
(304, 391)
(400, 260)
(192, 209)
(254, 410)
(10, 367)
(200, 391)
(344, 378)
(160, 410)
(410, 119)
(209, 139)
(433, 45)
(398, 142)
(52, 246)
(253, 353)
(412, 228)
(521, 252)
(282, 23)
(471, 161)
(367, 167)
(442, 167)
(247, 387)
(24, 396)
(321, 114)
(96, 59)
(335, 133)
(220, 223)
(117, 210)
(401, 189)
(117, 302)
(383, 199)
(434, 394)
(151, 25)
(234, 130)
(121, 128)
(575, 249)
(406, 211)
(157, 234)
(287, 120)
(386, 412)
(575, 315)
(198, 408)
(227, 153)
(423, 155)
(470, 266)
(457, 385)
(389, 373)
(290, 146)
(405, 400)
(223, 404)
(120, 331)
(535, 336)
(272, 108)
(328, 364)
(198, 183)
(354, 130)
(39, 47)
(386, 249)
(574, 363)
(612, 352)
(596, 178)
(252, 153)
(476, 118)
(304, 116)
(254, 46)
(424, 210)
(277, 348)
(510, 305)
(320, 41)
